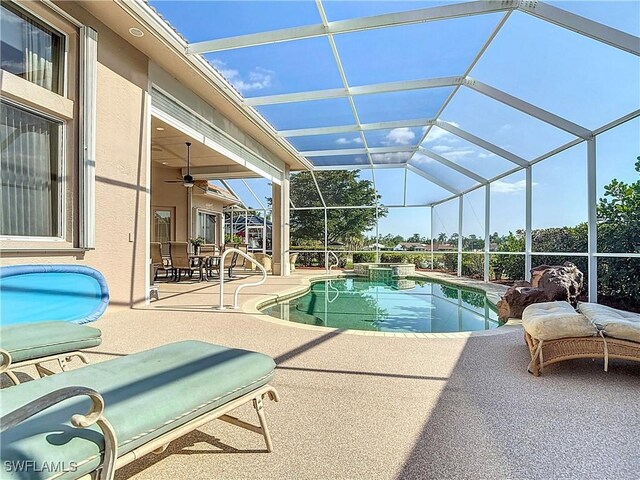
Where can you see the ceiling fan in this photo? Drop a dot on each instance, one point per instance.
(187, 180)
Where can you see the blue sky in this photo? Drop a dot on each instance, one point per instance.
(582, 80)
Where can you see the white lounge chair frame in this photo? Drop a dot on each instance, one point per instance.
(7, 366)
(112, 461)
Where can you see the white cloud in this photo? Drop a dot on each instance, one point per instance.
(486, 155)
(257, 79)
(399, 136)
(458, 153)
(441, 148)
(396, 157)
(437, 134)
(347, 141)
(453, 153)
(421, 158)
(500, 186)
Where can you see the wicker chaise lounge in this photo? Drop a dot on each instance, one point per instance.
(555, 332)
(137, 404)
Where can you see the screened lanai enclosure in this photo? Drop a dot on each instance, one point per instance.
(481, 138)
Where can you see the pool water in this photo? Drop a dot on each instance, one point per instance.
(397, 306)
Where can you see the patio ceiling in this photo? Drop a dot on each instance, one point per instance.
(457, 94)
(168, 149)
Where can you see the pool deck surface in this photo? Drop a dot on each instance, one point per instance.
(357, 406)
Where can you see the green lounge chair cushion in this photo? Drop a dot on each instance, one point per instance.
(36, 340)
(146, 395)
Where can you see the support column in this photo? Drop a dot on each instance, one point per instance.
(460, 217)
(246, 226)
(433, 267)
(221, 228)
(280, 226)
(528, 239)
(592, 220)
(326, 240)
(377, 231)
(487, 230)
(264, 231)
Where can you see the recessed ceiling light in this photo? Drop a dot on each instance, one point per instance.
(160, 129)
(136, 32)
(165, 163)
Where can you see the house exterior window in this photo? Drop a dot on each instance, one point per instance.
(162, 225)
(206, 226)
(31, 166)
(30, 50)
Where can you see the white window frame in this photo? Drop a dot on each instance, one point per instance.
(208, 211)
(62, 179)
(62, 134)
(64, 67)
(172, 213)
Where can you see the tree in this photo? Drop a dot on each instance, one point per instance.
(415, 238)
(619, 231)
(472, 243)
(339, 188)
(510, 265)
(389, 240)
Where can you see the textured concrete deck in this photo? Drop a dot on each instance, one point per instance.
(355, 406)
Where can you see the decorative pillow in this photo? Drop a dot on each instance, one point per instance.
(615, 323)
(551, 320)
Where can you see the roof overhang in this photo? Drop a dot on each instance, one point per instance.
(165, 47)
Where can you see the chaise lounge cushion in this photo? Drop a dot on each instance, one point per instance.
(551, 320)
(146, 395)
(615, 323)
(30, 341)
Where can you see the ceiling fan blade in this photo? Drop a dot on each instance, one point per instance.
(174, 181)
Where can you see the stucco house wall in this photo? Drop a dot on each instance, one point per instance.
(121, 170)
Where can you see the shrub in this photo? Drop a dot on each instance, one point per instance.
(472, 265)
(367, 257)
(450, 262)
(393, 257)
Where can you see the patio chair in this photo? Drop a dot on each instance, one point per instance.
(180, 260)
(243, 247)
(158, 262)
(137, 406)
(230, 263)
(41, 307)
(264, 259)
(211, 251)
(293, 258)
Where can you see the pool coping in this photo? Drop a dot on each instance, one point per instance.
(254, 305)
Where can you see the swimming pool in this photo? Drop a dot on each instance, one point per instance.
(403, 305)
